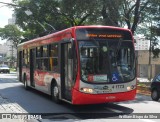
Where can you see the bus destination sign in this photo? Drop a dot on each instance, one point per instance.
(93, 35)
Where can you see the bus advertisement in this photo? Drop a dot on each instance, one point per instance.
(81, 65)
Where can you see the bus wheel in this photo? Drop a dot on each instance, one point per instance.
(55, 93)
(25, 84)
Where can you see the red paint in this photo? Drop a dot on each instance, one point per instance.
(83, 98)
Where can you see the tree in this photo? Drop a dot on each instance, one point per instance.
(110, 12)
(66, 13)
(52, 14)
(77, 12)
(11, 33)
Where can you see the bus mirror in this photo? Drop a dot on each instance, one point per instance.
(71, 40)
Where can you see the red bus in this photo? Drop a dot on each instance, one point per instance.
(81, 65)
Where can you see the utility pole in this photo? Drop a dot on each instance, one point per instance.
(150, 49)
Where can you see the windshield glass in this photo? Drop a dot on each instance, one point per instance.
(107, 60)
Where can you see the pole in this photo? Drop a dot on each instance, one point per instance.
(150, 65)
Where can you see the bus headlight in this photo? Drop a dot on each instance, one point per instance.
(130, 87)
(87, 90)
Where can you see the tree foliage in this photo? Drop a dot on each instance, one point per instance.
(66, 13)
(11, 33)
(60, 14)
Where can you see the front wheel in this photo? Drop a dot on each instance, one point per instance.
(55, 93)
(154, 95)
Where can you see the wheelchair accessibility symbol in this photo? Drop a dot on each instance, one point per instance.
(114, 77)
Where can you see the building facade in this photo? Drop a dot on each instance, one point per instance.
(148, 66)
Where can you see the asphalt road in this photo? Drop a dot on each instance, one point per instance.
(34, 102)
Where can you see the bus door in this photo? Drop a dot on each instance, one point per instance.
(66, 71)
(20, 56)
(32, 66)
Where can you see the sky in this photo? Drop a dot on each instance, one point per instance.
(5, 14)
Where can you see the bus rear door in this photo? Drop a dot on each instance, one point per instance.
(32, 64)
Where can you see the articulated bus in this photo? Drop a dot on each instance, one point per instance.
(81, 65)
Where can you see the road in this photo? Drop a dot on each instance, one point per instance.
(36, 102)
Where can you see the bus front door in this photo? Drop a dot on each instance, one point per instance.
(66, 71)
(20, 56)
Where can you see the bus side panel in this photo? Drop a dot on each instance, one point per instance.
(43, 80)
(82, 98)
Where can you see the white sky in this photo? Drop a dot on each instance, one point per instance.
(5, 14)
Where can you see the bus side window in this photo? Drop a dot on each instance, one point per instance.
(38, 64)
(53, 50)
(45, 64)
(39, 51)
(45, 51)
(53, 59)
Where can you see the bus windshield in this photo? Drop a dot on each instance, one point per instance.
(107, 60)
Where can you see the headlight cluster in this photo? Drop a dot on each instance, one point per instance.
(87, 90)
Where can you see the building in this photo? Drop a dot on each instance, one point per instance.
(148, 66)
(3, 52)
(7, 49)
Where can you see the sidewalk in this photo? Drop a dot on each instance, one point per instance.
(10, 111)
(8, 108)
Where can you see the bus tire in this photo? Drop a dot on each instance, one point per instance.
(25, 83)
(55, 93)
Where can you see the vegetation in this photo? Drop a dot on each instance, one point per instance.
(44, 16)
(11, 33)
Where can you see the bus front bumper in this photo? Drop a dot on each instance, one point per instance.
(84, 98)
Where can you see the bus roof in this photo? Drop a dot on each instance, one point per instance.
(71, 29)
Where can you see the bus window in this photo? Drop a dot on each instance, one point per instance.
(53, 60)
(53, 64)
(38, 64)
(44, 65)
(45, 51)
(39, 52)
(54, 50)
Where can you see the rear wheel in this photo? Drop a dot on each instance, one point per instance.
(154, 95)
(55, 93)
